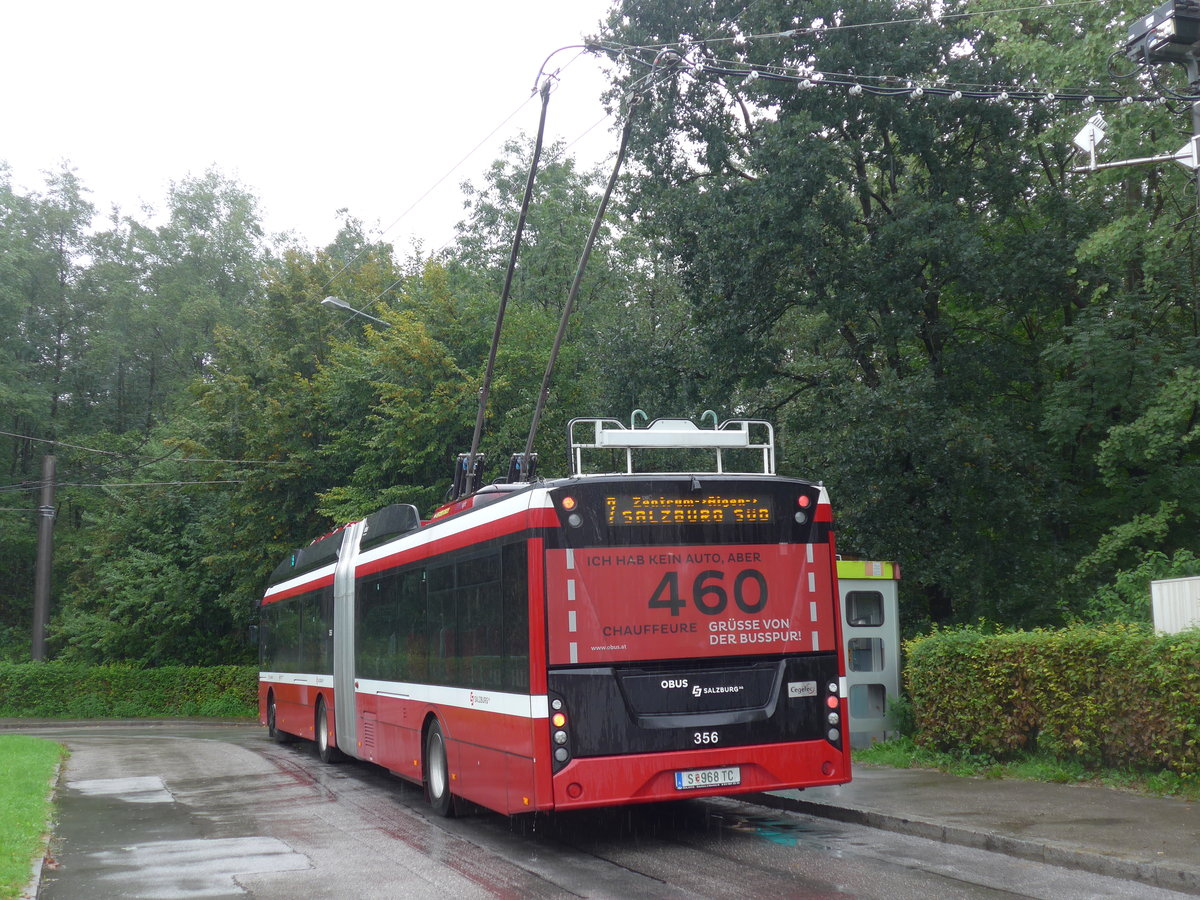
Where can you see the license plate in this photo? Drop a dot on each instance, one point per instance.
(703, 778)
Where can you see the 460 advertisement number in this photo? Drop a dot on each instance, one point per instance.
(709, 593)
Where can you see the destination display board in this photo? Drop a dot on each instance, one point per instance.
(660, 509)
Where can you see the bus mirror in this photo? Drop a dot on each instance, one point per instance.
(252, 634)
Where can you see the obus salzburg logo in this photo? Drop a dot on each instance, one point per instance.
(669, 683)
(698, 691)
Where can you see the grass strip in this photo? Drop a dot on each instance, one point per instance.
(27, 765)
(904, 753)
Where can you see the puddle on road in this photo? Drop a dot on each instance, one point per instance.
(723, 819)
(121, 838)
(202, 867)
(142, 789)
(786, 832)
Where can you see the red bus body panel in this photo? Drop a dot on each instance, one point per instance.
(605, 781)
(587, 607)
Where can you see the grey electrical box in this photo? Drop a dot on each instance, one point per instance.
(871, 631)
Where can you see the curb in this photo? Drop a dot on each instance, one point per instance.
(17, 724)
(34, 885)
(1168, 876)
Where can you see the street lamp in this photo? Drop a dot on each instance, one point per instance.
(338, 303)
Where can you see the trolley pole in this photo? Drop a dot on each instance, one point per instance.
(45, 559)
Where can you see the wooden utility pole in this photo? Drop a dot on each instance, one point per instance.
(45, 559)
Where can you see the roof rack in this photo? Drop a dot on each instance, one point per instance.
(673, 434)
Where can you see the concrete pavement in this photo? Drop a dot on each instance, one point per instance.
(1152, 840)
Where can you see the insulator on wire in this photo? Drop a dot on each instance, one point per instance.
(668, 59)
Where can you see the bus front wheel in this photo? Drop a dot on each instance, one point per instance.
(437, 772)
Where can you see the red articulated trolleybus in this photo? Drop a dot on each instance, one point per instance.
(600, 639)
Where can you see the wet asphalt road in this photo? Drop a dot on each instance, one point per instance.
(220, 811)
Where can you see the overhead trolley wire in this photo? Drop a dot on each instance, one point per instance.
(861, 84)
(883, 23)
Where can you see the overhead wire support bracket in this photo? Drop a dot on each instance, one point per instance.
(1188, 156)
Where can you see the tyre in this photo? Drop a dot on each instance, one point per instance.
(437, 772)
(279, 737)
(325, 747)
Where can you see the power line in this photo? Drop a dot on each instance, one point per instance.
(122, 455)
(822, 29)
(448, 173)
(685, 54)
(583, 48)
(890, 86)
(129, 484)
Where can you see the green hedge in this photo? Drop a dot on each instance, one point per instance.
(73, 691)
(1115, 695)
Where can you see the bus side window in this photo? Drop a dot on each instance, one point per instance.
(411, 646)
(441, 625)
(514, 586)
(266, 638)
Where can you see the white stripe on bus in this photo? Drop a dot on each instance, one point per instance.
(308, 680)
(300, 580)
(438, 530)
(525, 706)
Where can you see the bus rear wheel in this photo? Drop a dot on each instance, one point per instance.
(279, 737)
(437, 772)
(325, 748)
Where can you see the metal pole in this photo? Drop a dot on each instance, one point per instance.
(1195, 134)
(508, 279)
(45, 559)
(574, 292)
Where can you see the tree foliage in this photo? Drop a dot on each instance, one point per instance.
(951, 328)
(992, 362)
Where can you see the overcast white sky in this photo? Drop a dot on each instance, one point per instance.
(313, 106)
